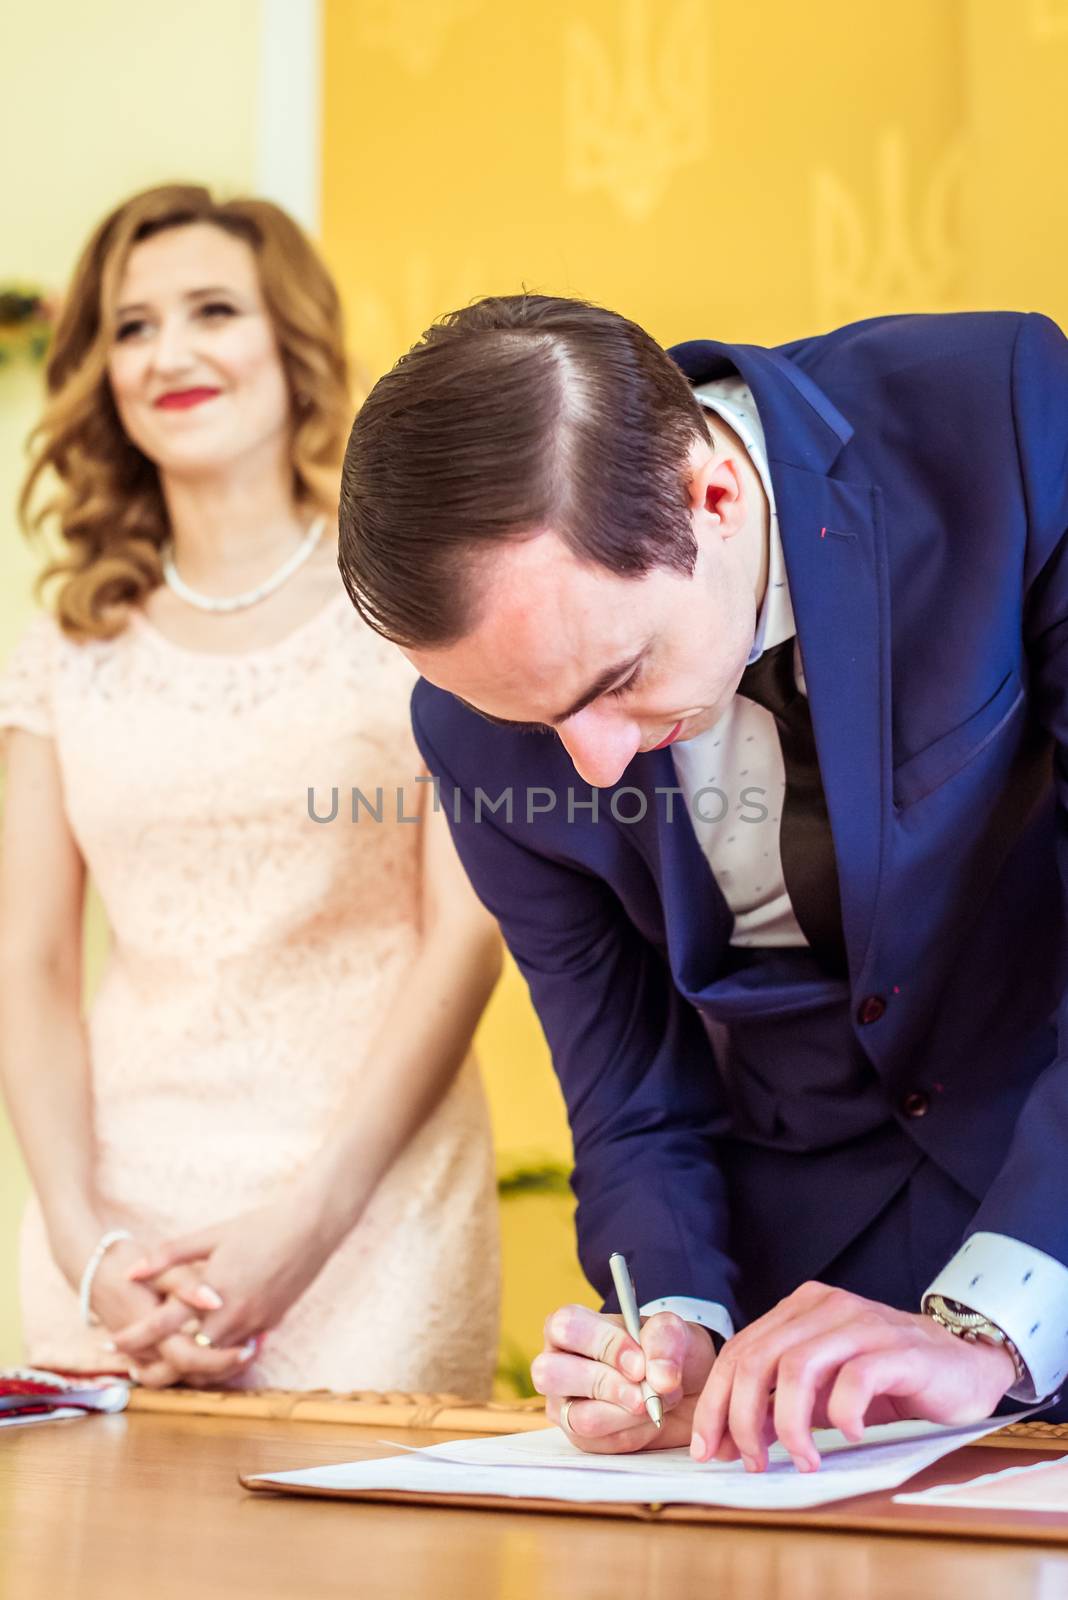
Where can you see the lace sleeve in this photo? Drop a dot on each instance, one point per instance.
(26, 682)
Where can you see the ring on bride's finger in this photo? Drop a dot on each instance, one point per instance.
(203, 1340)
(564, 1419)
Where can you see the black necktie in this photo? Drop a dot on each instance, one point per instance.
(805, 842)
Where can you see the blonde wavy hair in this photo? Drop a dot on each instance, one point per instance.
(108, 503)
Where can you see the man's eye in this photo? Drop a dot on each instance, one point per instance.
(622, 688)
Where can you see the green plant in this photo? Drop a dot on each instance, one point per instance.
(26, 318)
(513, 1370)
(550, 1177)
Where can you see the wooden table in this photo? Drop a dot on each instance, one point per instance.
(150, 1506)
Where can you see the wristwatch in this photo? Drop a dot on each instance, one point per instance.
(973, 1327)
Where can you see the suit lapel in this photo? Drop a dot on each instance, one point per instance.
(697, 919)
(837, 573)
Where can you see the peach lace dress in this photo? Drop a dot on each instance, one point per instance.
(253, 952)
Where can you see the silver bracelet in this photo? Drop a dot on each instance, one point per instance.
(85, 1288)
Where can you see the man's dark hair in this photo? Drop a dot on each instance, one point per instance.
(513, 415)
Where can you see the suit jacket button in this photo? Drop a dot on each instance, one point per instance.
(915, 1104)
(871, 1008)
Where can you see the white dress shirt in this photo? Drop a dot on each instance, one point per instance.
(1018, 1288)
(732, 776)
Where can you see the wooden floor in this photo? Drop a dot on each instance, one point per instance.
(150, 1506)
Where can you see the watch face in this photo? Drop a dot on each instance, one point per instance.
(964, 1316)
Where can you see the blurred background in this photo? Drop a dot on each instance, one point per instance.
(753, 171)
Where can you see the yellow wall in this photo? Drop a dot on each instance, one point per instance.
(711, 168)
(749, 171)
(98, 100)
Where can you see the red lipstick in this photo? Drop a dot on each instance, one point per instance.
(184, 399)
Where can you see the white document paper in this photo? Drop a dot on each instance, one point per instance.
(56, 1414)
(546, 1466)
(1042, 1487)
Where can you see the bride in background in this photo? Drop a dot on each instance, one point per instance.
(264, 1158)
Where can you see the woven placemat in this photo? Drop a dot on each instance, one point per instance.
(1035, 1435)
(448, 1412)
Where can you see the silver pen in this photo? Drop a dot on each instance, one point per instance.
(628, 1304)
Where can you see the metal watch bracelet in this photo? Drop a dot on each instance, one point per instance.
(974, 1328)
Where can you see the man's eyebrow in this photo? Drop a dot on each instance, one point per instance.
(607, 680)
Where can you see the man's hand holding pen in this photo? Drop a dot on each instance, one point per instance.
(592, 1366)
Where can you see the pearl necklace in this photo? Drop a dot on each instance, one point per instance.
(240, 602)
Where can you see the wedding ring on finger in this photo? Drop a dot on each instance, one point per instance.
(203, 1339)
(565, 1421)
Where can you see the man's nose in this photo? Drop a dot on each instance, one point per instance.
(600, 744)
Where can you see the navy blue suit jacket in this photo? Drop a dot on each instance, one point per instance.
(920, 466)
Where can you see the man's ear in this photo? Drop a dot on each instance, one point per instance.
(717, 492)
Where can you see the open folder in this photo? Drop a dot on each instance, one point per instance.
(546, 1467)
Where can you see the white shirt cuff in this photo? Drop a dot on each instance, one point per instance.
(1023, 1292)
(707, 1313)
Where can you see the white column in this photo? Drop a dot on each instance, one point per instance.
(288, 121)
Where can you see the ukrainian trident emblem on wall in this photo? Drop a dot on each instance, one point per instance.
(636, 106)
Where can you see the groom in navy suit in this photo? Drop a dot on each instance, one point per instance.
(745, 683)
